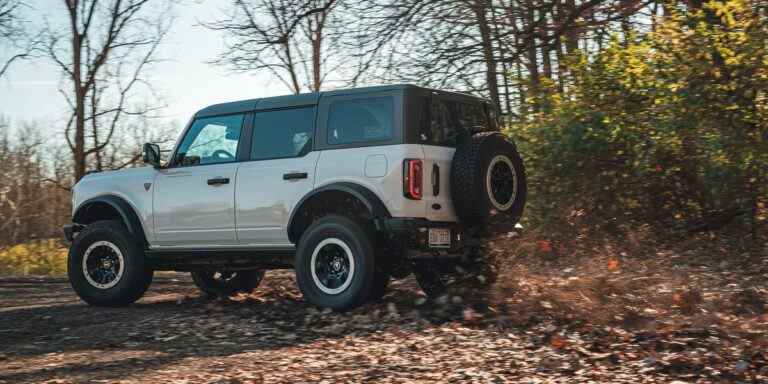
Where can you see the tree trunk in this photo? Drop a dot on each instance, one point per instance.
(292, 69)
(523, 107)
(557, 17)
(77, 44)
(546, 60)
(533, 60)
(317, 46)
(491, 68)
(572, 33)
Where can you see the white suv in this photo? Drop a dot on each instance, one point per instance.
(348, 187)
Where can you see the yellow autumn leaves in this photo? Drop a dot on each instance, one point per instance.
(42, 257)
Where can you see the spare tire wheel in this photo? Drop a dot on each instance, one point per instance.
(487, 178)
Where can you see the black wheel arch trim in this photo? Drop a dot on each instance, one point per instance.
(127, 214)
(371, 201)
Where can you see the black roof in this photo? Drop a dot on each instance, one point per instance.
(305, 99)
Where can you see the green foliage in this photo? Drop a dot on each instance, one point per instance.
(665, 129)
(45, 257)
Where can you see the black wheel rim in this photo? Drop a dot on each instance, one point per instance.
(502, 183)
(103, 264)
(332, 267)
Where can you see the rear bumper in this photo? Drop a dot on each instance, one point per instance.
(71, 230)
(414, 234)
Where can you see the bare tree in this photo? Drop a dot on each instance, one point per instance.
(503, 49)
(104, 54)
(32, 206)
(441, 43)
(15, 41)
(285, 37)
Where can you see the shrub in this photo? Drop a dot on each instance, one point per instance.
(667, 129)
(44, 257)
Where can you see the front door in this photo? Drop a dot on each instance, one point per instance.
(194, 198)
(280, 171)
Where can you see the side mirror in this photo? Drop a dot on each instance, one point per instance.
(152, 154)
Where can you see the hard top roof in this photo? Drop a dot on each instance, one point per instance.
(306, 99)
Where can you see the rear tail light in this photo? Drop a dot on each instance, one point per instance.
(413, 170)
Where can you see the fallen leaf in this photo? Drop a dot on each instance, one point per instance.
(558, 342)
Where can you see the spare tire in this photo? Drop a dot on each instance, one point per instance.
(487, 178)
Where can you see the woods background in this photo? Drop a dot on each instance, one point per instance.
(636, 119)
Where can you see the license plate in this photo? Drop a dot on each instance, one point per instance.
(439, 238)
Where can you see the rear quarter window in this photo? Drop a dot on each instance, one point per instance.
(443, 121)
(360, 120)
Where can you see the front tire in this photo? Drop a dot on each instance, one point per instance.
(335, 266)
(106, 265)
(218, 283)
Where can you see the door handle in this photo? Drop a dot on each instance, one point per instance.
(218, 181)
(294, 175)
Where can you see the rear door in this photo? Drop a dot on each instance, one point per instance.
(280, 170)
(194, 198)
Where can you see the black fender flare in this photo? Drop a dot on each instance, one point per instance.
(371, 201)
(127, 214)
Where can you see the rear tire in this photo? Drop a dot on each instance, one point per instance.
(335, 266)
(216, 283)
(106, 265)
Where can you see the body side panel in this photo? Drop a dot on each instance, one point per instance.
(188, 211)
(128, 185)
(264, 199)
(349, 165)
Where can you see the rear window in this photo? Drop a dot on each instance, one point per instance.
(445, 120)
(360, 120)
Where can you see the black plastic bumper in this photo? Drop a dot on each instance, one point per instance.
(414, 232)
(71, 230)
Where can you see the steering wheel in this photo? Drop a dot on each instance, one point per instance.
(222, 154)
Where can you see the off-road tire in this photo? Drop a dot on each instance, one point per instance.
(338, 232)
(135, 278)
(473, 201)
(239, 281)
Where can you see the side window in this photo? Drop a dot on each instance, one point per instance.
(282, 133)
(441, 128)
(448, 119)
(360, 120)
(493, 117)
(210, 140)
(469, 117)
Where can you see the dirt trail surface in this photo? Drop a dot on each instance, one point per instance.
(175, 335)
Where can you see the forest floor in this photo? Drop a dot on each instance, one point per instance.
(678, 317)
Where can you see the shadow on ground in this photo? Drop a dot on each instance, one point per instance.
(42, 316)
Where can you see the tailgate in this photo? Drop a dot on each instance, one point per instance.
(437, 173)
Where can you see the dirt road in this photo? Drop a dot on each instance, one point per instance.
(175, 335)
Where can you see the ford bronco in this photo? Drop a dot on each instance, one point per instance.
(348, 187)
